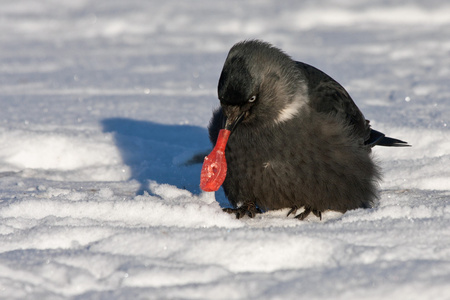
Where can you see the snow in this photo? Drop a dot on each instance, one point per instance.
(105, 102)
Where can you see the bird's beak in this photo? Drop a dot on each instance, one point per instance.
(234, 116)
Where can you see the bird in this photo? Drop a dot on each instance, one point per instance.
(296, 139)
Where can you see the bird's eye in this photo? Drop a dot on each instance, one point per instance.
(252, 99)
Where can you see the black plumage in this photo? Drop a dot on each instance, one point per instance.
(297, 140)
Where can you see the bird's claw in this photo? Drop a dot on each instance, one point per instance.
(305, 213)
(248, 209)
(292, 211)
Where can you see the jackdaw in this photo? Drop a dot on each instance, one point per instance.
(294, 137)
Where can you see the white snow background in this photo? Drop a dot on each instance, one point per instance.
(103, 102)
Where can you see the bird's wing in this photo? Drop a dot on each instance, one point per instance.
(328, 96)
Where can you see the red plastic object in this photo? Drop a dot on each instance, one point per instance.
(214, 169)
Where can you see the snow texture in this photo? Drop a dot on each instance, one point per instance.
(103, 103)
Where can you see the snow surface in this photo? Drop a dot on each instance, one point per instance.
(104, 102)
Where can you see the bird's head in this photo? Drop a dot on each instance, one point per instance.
(258, 85)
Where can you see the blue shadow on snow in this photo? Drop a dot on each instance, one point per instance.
(160, 152)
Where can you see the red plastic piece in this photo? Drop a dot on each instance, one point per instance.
(214, 169)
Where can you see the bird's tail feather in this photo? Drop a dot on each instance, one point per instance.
(379, 139)
(387, 141)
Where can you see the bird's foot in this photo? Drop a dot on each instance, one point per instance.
(248, 209)
(292, 211)
(305, 213)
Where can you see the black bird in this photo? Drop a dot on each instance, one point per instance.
(297, 138)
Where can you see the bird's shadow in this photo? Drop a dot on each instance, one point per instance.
(158, 152)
